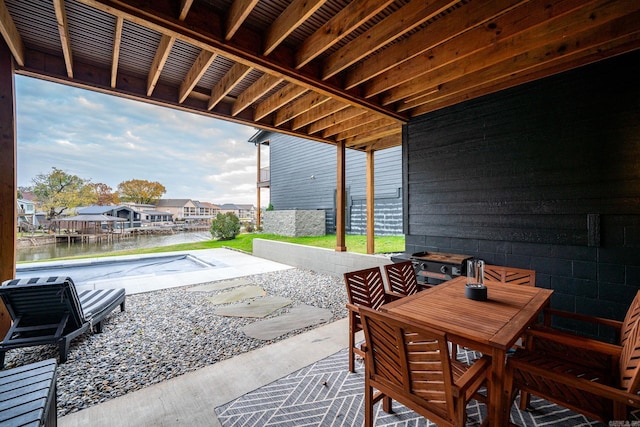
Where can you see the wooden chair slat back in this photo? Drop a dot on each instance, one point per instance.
(631, 318)
(514, 276)
(365, 287)
(401, 277)
(409, 361)
(630, 361)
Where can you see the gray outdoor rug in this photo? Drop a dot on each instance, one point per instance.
(327, 394)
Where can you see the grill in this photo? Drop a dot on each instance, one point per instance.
(433, 268)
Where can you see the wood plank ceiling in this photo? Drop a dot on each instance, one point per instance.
(335, 71)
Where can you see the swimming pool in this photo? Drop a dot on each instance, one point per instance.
(81, 272)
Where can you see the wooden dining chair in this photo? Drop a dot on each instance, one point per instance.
(516, 276)
(365, 288)
(410, 363)
(594, 378)
(401, 277)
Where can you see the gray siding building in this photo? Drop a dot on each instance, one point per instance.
(303, 176)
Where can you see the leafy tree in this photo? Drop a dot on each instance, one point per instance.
(104, 194)
(140, 191)
(59, 191)
(225, 226)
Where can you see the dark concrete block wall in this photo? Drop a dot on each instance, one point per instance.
(544, 176)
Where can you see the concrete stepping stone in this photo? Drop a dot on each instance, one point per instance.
(237, 294)
(259, 307)
(221, 284)
(299, 317)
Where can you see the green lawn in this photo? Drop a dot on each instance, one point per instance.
(244, 242)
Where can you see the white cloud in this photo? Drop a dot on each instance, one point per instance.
(110, 139)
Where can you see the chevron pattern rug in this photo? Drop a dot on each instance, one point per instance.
(326, 394)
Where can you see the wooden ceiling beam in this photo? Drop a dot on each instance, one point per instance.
(534, 38)
(393, 140)
(362, 119)
(185, 6)
(395, 25)
(519, 27)
(440, 31)
(238, 12)
(366, 136)
(10, 34)
(621, 35)
(115, 54)
(264, 84)
(334, 119)
(236, 73)
(295, 14)
(65, 40)
(195, 73)
(370, 127)
(298, 107)
(160, 58)
(354, 15)
(278, 99)
(203, 29)
(323, 110)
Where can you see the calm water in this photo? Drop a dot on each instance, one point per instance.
(38, 253)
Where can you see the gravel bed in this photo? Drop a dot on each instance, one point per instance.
(166, 333)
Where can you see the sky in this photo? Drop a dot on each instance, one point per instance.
(108, 139)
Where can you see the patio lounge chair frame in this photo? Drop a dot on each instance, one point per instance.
(49, 310)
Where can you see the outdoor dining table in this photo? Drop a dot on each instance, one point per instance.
(491, 327)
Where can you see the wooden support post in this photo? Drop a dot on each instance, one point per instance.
(258, 182)
(8, 187)
(341, 245)
(370, 203)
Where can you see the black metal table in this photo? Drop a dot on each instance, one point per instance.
(28, 395)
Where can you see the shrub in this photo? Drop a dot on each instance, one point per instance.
(225, 226)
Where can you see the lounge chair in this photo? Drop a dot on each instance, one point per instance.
(49, 310)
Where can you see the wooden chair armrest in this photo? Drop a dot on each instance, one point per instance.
(469, 382)
(353, 307)
(550, 312)
(577, 342)
(607, 392)
(392, 296)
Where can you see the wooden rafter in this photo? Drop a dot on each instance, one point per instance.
(361, 119)
(10, 34)
(458, 22)
(197, 70)
(323, 110)
(277, 100)
(298, 107)
(334, 119)
(162, 53)
(238, 12)
(503, 55)
(563, 55)
(185, 6)
(345, 22)
(403, 20)
(295, 14)
(65, 40)
(115, 56)
(481, 48)
(264, 84)
(368, 128)
(366, 136)
(227, 83)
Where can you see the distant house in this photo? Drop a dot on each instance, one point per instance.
(302, 175)
(121, 211)
(245, 213)
(27, 215)
(155, 217)
(188, 210)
